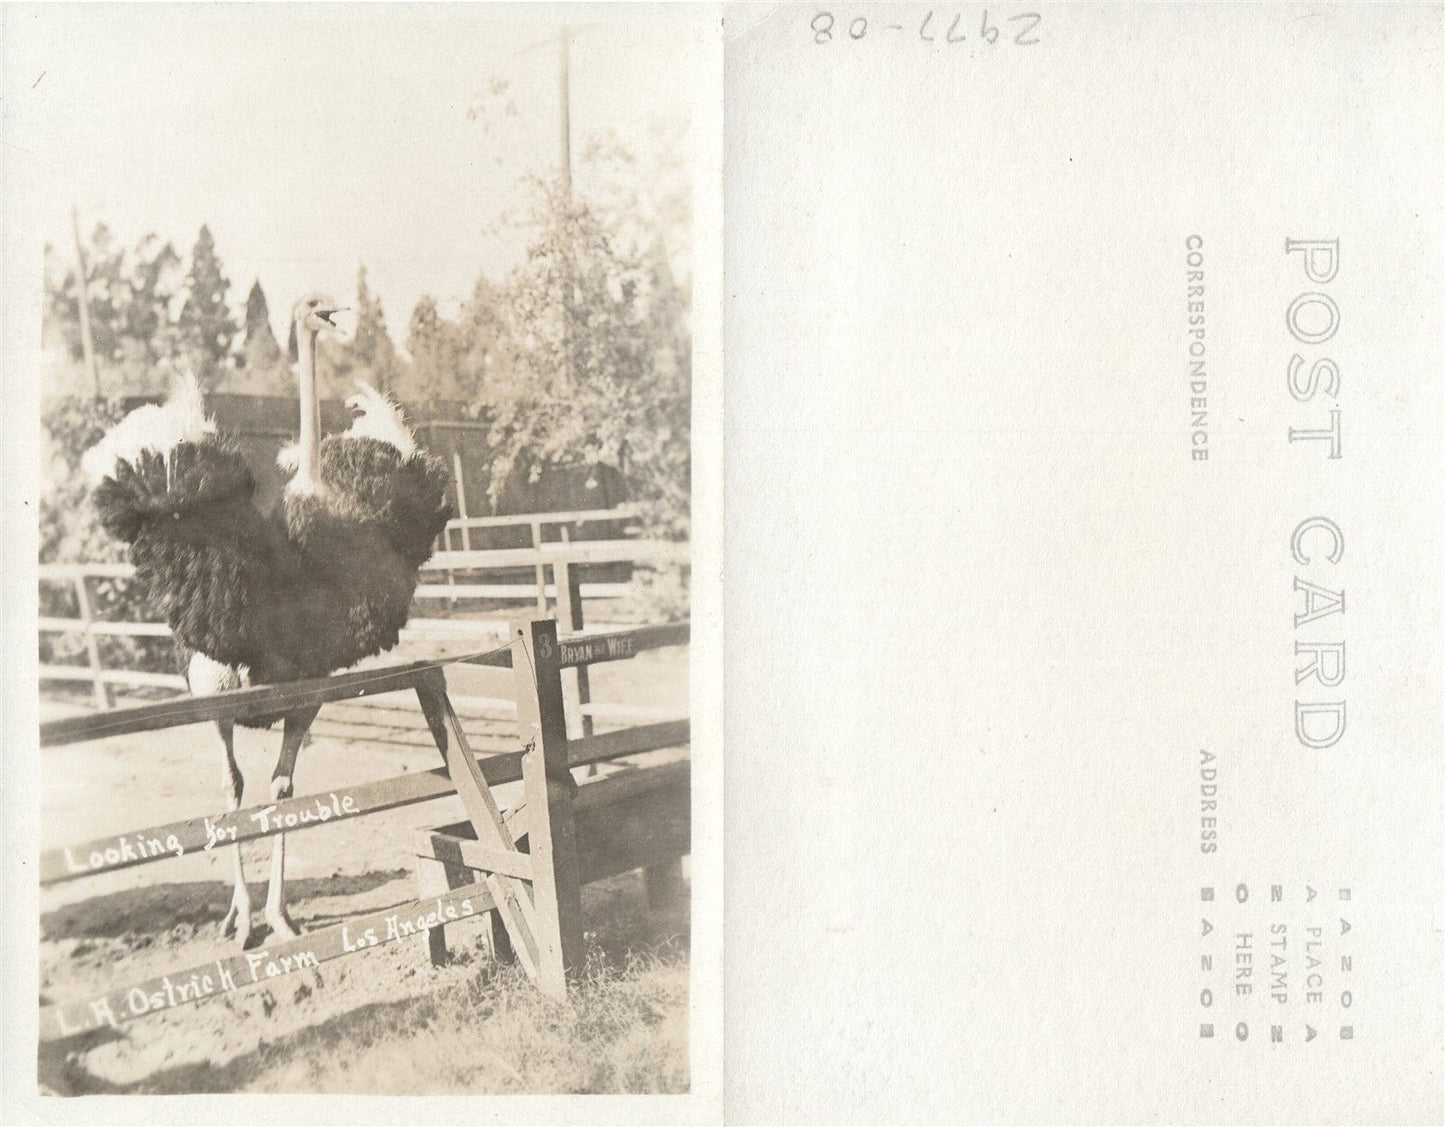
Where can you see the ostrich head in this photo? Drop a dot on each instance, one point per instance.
(311, 314)
(314, 312)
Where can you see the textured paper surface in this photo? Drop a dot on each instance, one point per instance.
(1005, 660)
(985, 609)
(139, 117)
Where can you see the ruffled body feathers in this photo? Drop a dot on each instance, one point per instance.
(323, 581)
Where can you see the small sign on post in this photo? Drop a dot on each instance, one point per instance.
(576, 688)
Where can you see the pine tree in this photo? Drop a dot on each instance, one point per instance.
(154, 277)
(435, 347)
(205, 321)
(259, 348)
(486, 335)
(372, 344)
(260, 359)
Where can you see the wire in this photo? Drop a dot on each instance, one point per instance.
(180, 710)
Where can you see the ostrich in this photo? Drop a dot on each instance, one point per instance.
(323, 581)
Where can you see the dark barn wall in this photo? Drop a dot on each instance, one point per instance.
(558, 489)
(262, 424)
(265, 423)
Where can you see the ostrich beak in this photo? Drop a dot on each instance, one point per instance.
(327, 314)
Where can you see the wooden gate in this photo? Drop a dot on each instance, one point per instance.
(519, 872)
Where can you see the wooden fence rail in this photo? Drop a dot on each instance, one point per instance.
(536, 523)
(519, 872)
(543, 520)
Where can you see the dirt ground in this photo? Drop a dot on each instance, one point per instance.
(110, 929)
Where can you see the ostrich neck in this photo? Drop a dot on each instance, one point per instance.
(309, 471)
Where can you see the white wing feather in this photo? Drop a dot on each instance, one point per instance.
(154, 429)
(380, 419)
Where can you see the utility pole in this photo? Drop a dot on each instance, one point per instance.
(564, 101)
(564, 136)
(83, 289)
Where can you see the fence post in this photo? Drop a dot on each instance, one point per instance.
(461, 501)
(548, 788)
(92, 649)
(541, 570)
(437, 878)
(576, 688)
(460, 487)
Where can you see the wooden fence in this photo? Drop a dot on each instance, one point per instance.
(519, 872)
(463, 571)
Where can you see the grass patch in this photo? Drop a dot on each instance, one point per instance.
(388, 1023)
(624, 1030)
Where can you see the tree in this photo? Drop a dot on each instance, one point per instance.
(155, 277)
(258, 342)
(205, 320)
(105, 292)
(70, 532)
(129, 299)
(372, 344)
(260, 358)
(639, 181)
(585, 384)
(437, 349)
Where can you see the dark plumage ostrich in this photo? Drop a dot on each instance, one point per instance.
(323, 581)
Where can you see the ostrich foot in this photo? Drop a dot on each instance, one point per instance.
(282, 926)
(237, 921)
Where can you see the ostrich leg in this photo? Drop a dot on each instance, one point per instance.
(206, 677)
(238, 916)
(296, 725)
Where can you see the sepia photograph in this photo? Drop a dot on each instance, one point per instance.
(371, 393)
(365, 363)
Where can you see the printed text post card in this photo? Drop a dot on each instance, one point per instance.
(1084, 532)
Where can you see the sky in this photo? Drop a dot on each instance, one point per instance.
(314, 138)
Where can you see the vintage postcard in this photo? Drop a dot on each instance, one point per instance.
(1084, 562)
(374, 376)
(366, 362)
